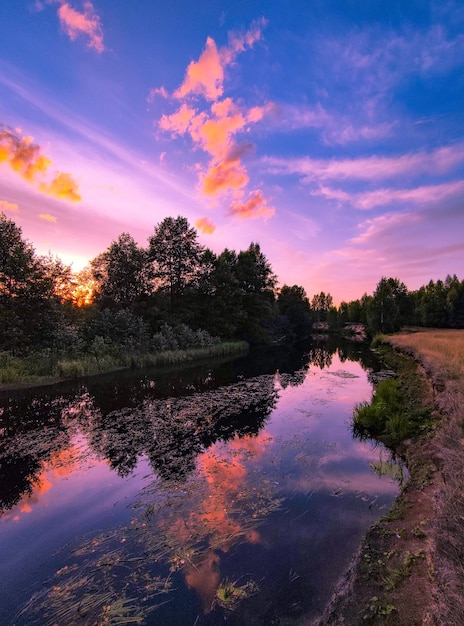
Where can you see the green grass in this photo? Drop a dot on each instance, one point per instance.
(396, 412)
(42, 367)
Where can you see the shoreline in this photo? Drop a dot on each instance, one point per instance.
(408, 568)
(162, 359)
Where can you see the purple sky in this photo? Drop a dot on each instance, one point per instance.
(332, 133)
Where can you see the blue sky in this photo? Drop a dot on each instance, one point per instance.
(330, 132)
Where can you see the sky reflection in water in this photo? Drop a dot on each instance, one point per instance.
(258, 483)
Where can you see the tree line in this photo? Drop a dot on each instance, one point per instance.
(175, 293)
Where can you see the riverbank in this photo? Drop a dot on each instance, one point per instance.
(408, 570)
(42, 369)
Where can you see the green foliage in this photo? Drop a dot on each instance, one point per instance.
(396, 411)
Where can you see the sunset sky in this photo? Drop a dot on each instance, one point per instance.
(331, 132)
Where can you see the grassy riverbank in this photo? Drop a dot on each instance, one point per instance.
(409, 569)
(46, 367)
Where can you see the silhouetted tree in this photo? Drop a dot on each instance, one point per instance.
(120, 273)
(175, 256)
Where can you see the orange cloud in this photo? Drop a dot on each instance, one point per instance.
(255, 206)
(224, 177)
(179, 122)
(47, 217)
(8, 206)
(214, 129)
(86, 24)
(63, 187)
(25, 158)
(22, 155)
(205, 225)
(205, 76)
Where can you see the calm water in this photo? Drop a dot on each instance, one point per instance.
(222, 493)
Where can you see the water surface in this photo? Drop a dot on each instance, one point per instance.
(226, 492)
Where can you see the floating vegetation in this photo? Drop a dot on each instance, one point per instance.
(343, 374)
(229, 594)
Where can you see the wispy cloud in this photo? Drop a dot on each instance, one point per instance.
(47, 217)
(424, 195)
(372, 168)
(84, 23)
(9, 207)
(26, 159)
(334, 128)
(214, 127)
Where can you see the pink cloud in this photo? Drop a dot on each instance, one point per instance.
(420, 195)
(372, 168)
(424, 194)
(214, 129)
(205, 77)
(376, 228)
(180, 122)
(225, 176)
(255, 206)
(205, 225)
(87, 24)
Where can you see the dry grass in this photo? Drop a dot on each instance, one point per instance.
(436, 349)
(442, 354)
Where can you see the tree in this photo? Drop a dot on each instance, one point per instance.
(321, 303)
(390, 307)
(120, 273)
(293, 305)
(256, 284)
(175, 256)
(29, 305)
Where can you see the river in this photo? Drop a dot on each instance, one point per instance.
(230, 492)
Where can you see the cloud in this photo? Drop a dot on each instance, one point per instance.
(205, 77)
(62, 187)
(22, 155)
(420, 195)
(255, 206)
(86, 24)
(157, 91)
(11, 207)
(225, 176)
(214, 128)
(25, 158)
(47, 217)
(205, 225)
(381, 227)
(371, 168)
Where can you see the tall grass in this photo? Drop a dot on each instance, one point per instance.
(437, 348)
(41, 367)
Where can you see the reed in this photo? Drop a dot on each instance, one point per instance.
(44, 367)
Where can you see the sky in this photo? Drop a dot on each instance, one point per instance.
(330, 132)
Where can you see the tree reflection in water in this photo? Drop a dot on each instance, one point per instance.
(208, 492)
